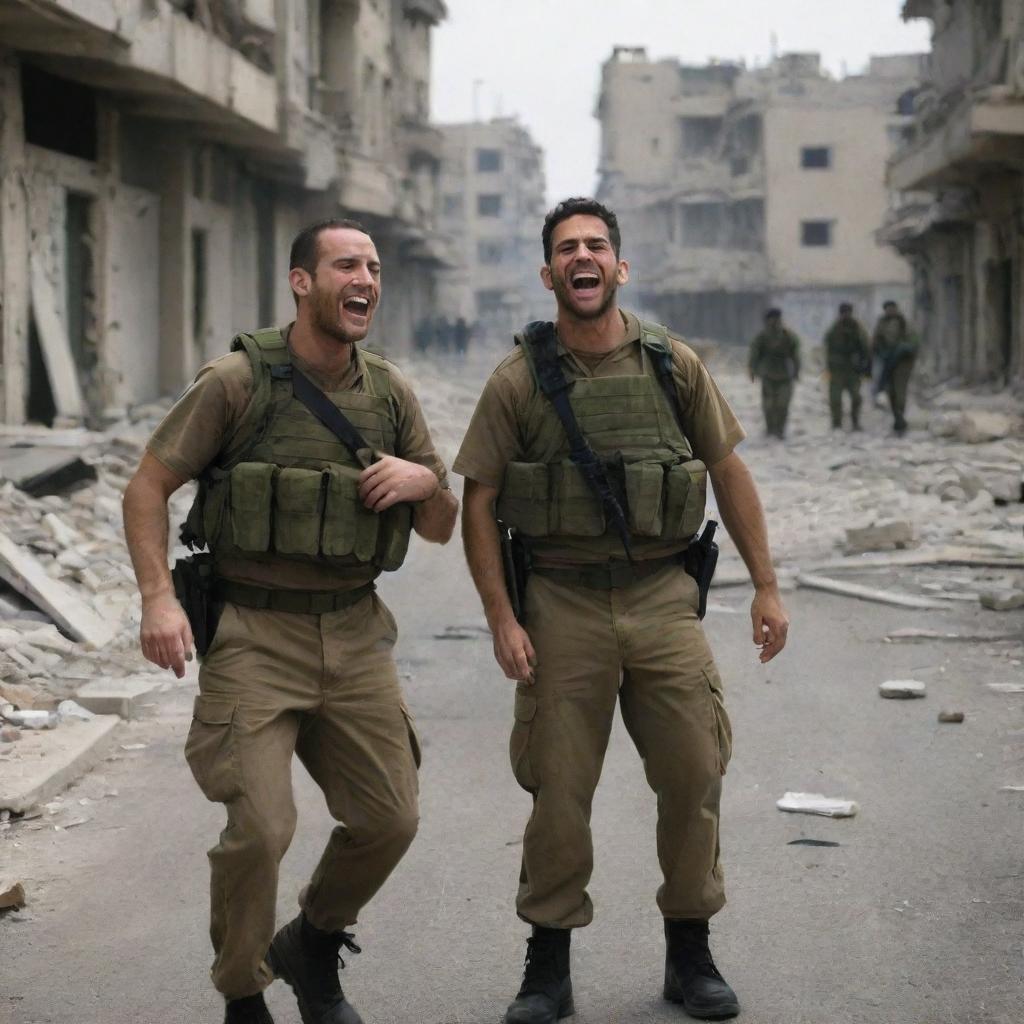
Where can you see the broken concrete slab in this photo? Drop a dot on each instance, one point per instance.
(27, 575)
(979, 425)
(881, 536)
(12, 895)
(61, 367)
(902, 689)
(843, 589)
(48, 762)
(815, 803)
(122, 697)
(1002, 600)
(43, 469)
(1006, 687)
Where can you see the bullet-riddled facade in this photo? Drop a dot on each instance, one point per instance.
(741, 189)
(492, 210)
(158, 156)
(958, 189)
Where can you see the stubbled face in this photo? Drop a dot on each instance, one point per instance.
(344, 290)
(584, 272)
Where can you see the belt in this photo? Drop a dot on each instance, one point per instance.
(302, 602)
(611, 575)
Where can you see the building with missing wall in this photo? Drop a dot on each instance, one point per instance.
(492, 210)
(958, 184)
(740, 189)
(158, 156)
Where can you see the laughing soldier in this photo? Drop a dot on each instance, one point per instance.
(314, 462)
(609, 613)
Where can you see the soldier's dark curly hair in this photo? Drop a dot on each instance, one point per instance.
(570, 208)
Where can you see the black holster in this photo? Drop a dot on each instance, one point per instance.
(515, 564)
(193, 586)
(700, 560)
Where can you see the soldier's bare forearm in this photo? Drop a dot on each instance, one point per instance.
(434, 518)
(743, 518)
(483, 551)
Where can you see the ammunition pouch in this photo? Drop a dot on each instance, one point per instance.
(258, 508)
(193, 586)
(554, 499)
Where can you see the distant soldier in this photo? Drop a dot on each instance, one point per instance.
(461, 334)
(421, 334)
(895, 346)
(442, 333)
(848, 359)
(775, 359)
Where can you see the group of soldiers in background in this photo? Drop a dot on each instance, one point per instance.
(887, 360)
(443, 335)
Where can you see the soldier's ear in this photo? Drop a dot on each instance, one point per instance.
(545, 277)
(622, 272)
(300, 280)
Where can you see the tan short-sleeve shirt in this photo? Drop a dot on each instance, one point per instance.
(203, 420)
(494, 438)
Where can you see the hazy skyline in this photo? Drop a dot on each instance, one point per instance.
(541, 60)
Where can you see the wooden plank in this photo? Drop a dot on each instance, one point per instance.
(975, 557)
(27, 576)
(831, 586)
(53, 340)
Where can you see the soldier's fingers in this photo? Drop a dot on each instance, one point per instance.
(758, 624)
(386, 501)
(177, 653)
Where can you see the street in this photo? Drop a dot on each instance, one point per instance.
(915, 917)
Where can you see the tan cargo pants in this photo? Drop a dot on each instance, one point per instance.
(323, 687)
(644, 646)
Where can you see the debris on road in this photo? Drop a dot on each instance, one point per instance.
(9, 734)
(814, 582)
(894, 533)
(30, 719)
(951, 716)
(912, 635)
(1004, 599)
(12, 895)
(902, 689)
(815, 803)
(1006, 687)
(811, 842)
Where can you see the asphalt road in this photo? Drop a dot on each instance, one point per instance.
(915, 918)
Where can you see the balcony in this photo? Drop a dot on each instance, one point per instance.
(984, 131)
(422, 142)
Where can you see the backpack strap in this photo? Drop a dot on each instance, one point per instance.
(657, 342)
(541, 349)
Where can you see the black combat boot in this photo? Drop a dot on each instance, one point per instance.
(307, 959)
(546, 993)
(691, 977)
(250, 1010)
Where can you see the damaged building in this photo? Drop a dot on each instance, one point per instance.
(158, 156)
(740, 189)
(959, 186)
(492, 209)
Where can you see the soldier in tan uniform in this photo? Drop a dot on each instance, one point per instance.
(299, 525)
(599, 628)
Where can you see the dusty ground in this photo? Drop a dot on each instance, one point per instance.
(915, 918)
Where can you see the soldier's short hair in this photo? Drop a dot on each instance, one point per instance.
(845, 307)
(306, 245)
(890, 302)
(580, 205)
(773, 314)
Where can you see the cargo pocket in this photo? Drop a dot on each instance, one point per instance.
(393, 539)
(525, 498)
(252, 489)
(576, 510)
(414, 740)
(645, 484)
(519, 743)
(723, 728)
(298, 500)
(211, 750)
(685, 491)
(350, 528)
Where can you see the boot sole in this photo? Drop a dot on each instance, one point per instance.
(724, 1012)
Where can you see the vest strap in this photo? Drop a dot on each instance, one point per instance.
(331, 417)
(299, 602)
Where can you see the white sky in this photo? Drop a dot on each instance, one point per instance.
(541, 59)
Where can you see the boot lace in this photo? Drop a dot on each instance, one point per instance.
(539, 968)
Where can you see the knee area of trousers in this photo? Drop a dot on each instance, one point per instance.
(396, 829)
(272, 836)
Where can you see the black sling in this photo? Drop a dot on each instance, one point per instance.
(326, 412)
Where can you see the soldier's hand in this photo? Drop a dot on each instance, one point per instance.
(514, 652)
(770, 621)
(391, 480)
(165, 633)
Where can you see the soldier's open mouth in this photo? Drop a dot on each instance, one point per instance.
(585, 281)
(357, 305)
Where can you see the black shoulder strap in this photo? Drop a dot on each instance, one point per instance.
(660, 351)
(542, 348)
(326, 412)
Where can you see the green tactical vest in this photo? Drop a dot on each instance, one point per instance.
(631, 426)
(286, 487)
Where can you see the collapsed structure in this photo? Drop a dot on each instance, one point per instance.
(959, 184)
(740, 189)
(492, 196)
(157, 157)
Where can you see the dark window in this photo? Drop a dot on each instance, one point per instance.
(816, 232)
(452, 205)
(266, 263)
(698, 136)
(489, 253)
(702, 224)
(59, 114)
(79, 278)
(816, 157)
(488, 159)
(488, 205)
